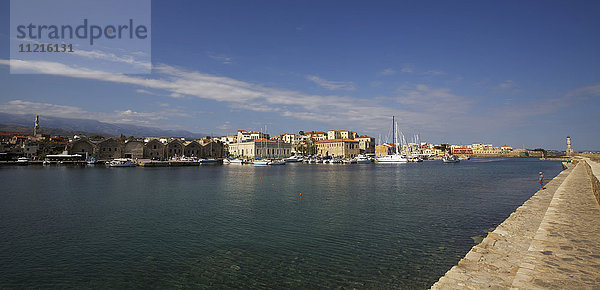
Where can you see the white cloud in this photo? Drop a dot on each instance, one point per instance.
(387, 72)
(331, 85)
(416, 106)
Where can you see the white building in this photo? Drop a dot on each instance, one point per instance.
(260, 148)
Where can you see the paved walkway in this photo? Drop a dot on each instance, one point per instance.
(551, 241)
(565, 252)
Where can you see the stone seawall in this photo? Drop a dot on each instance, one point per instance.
(594, 180)
(548, 242)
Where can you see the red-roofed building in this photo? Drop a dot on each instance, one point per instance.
(343, 147)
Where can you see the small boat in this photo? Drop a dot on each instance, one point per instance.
(46, 162)
(450, 159)
(122, 162)
(295, 158)
(208, 161)
(236, 161)
(277, 162)
(23, 161)
(362, 159)
(261, 162)
(226, 161)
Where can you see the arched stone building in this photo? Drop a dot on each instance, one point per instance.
(82, 146)
(154, 149)
(133, 149)
(193, 149)
(174, 148)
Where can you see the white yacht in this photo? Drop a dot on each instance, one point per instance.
(295, 158)
(261, 162)
(362, 159)
(122, 162)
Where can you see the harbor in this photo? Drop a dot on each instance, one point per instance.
(299, 225)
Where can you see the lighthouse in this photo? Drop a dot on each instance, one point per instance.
(569, 150)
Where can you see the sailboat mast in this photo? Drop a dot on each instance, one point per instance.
(394, 137)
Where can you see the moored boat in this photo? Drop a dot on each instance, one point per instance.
(295, 158)
(396, 157)
(277, 162)
(122, 162)
(23, 161)
(450, 159)
(208, 161)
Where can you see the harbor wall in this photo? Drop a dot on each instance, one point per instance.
(548, 242)
(594, 180)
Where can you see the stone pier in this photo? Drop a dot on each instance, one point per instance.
(551, 241)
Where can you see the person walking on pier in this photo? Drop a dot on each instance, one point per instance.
(541, 180)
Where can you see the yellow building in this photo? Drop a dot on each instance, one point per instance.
(385, 149)
(340, 134)
(344, 148)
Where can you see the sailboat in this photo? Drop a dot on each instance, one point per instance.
(278, 161)
(396, 157)
(261, 161)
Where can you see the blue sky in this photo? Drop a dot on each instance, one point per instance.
(502, 72)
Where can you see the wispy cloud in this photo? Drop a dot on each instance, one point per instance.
(407, 68)
(101, 55)
(419, 106)
(331, 85)
(507, 84)
(221, 58)
(387, 72)
(434, 72)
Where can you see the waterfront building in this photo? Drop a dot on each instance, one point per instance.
(366, 145)
(246, 136)
(174, 149)
(154, 149)
(82, 146)
(30, 150)
(345, 148)
(385, 149)
(110, 148)
(133, 149)
(261, 148)
(192, 149)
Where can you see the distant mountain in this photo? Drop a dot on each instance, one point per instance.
(90, 126)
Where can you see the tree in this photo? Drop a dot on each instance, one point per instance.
(301, 133)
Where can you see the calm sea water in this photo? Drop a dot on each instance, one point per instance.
(301, 226)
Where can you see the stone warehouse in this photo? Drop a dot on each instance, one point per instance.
(153, 149)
